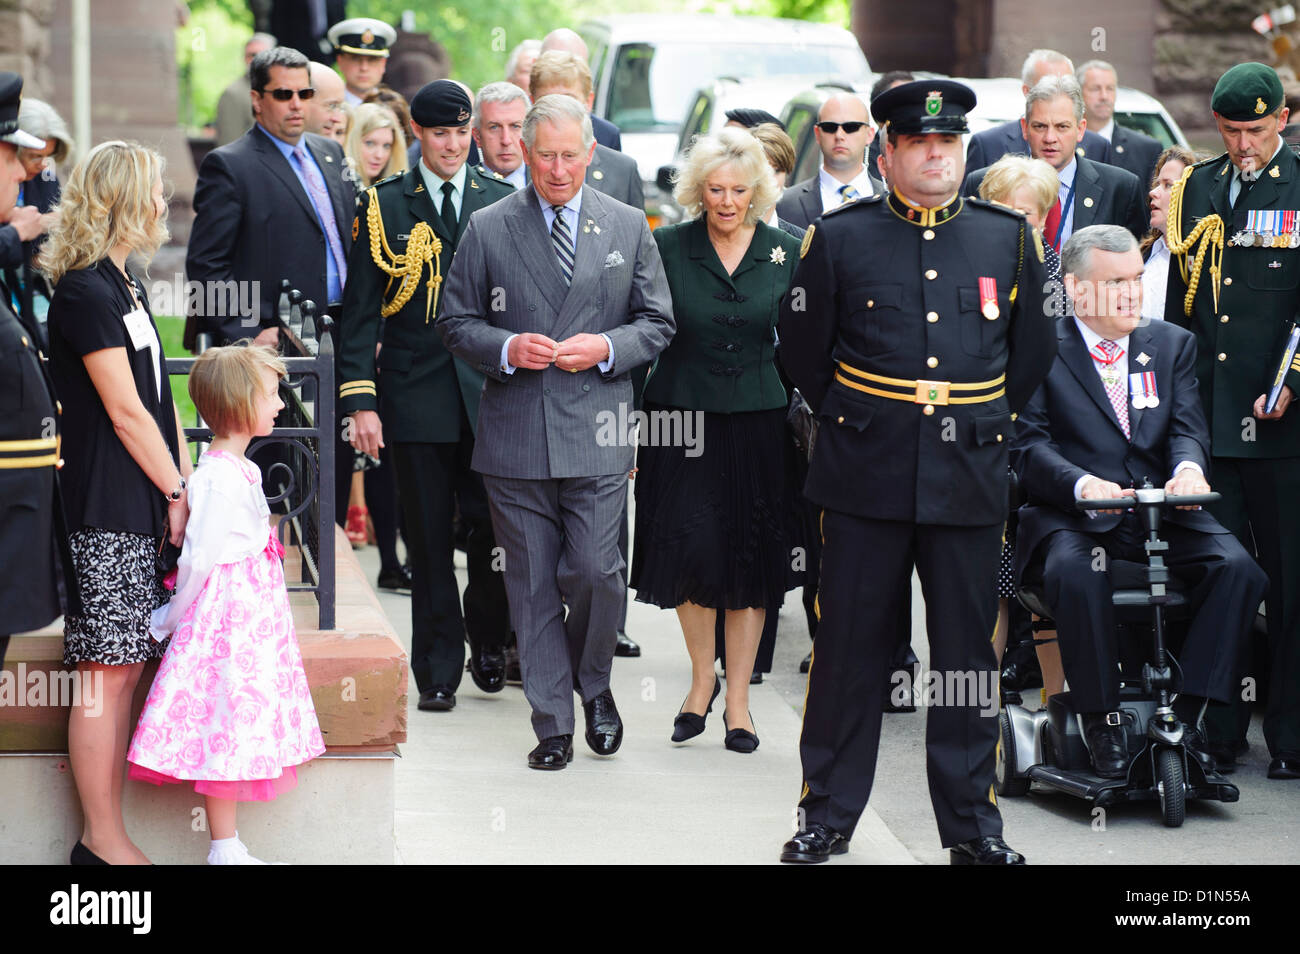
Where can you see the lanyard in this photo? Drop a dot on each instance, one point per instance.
(1069, 202)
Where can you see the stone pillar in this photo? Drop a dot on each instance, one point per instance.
(25, 41)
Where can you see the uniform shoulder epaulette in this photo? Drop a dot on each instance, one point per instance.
(388, 179)
(995, 207)
(487, 173)
(861, 200)
(1221, 157)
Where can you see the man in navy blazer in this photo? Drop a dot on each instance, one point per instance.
(254, 219)
(987, 147)
(1119, 406)
(1129, 149)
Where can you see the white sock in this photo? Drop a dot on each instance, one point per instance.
(230, 851)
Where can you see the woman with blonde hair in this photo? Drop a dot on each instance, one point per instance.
(710, 535)
(374, 147)
(125, 463)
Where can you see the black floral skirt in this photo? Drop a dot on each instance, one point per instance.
(120, 589)
(711, 519)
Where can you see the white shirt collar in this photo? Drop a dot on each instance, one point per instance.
(433, 182)
(1066, 175)
(831, 186)
(1236, 173)
(1107, 131)
(574, 205)
(1091, 339)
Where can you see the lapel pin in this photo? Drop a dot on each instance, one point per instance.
(1119, 148)
(1273, 172)
(329, 158)
(598, 174)
(1143, 359)
(1088, 202)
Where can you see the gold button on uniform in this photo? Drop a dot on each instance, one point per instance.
(999, 438)
(931, 274)
(871, 303)
(24, 341)
(932, 362)
(932, 317)
(928, 409)
(1223, 319)
(1015, 416)
(1227, 281)
(927, 234)
(840, 419)
(1222, 356)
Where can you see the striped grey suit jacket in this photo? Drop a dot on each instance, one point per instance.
(504, 280)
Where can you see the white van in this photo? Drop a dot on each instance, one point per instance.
(646, 69)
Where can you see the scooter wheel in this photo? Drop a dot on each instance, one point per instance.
(1005, 780)
(1173, 792)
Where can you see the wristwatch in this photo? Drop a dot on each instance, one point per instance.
(175, 495)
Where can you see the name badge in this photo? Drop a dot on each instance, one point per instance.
(138, 327)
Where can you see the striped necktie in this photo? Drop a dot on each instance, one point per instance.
(847, 193)
(1113, 382)
(563, 242)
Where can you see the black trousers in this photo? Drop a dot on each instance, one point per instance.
(1261, 506)
(432, 480)
(865, 579)
(1225, 589)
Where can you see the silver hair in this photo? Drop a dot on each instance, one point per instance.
(498, 92)
(1050, 87)
(1082, 71)
(265, 39)
(39, 118)
(525, 46)
(1041, 56)
(1077, 253)
(554, 108)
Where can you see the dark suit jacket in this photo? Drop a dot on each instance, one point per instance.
(801, 203)
(1104, 195)
(253, 221)
(423, 388)
(987, 147)
(606, 133)
(1135, 152)
(1069, 429)
(290, 24)
(16, 256)
(616, 175)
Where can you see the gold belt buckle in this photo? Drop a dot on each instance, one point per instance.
(932, 392)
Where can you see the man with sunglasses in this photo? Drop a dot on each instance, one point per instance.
(271, 205)
(843, 135)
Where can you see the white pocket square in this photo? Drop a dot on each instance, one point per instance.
(613, 260)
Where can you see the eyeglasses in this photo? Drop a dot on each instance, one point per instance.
(284, 95)
(832, 128)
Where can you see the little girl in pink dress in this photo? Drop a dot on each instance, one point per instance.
(230, 708)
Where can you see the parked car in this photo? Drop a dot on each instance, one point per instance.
(646, 69)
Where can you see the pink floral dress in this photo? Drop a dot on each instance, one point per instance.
(230, 708)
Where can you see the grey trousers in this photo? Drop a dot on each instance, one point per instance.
(560, 540)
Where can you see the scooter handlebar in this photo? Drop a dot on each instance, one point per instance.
(1154, 496)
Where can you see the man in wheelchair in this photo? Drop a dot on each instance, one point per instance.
(1120, 405)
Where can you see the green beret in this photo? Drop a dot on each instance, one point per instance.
(1247, 91)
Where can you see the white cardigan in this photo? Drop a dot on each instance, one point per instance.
(228, 522)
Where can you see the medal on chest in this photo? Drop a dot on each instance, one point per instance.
(1142, 385)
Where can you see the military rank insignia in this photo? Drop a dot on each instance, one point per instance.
(807, 241)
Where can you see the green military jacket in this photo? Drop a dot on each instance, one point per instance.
(722, 357)
(423, 386)
(1240, 338)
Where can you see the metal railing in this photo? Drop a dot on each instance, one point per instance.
(297, 459)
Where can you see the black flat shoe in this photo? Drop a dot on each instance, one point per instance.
(437, 699)
(488, 669)
(813, 845)
(398, 580)
(81, 855)
(807, 662)
(552, 754)
(688, 725)
(756, 679)
(1284, 767)
(739, 740)
(604, 727)
(625, 647)
(984, 851)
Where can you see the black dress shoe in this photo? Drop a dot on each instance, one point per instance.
(1284, 766)
(739, 740)
(552, 754)
(437, 699)
(398, 579)
(1107, 745)
(488, 669)
(1199, 749)
(813, 845)
(625, 646)
(897, 679)
(604, 727)
(984, 851)
(688, 725)
(81, 855)
(807, 662)
(756, 678)
(514, 674)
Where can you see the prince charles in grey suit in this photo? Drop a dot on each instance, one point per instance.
(556, 293)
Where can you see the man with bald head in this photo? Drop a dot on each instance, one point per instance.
(987, 147)
(843, 134)
(565, 40)
(324, 111)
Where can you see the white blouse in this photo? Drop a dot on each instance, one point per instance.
(1155, 279)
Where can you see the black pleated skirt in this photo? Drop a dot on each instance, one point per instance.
(711, 521)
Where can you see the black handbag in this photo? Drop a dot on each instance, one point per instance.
(803, 424)
(168, 556)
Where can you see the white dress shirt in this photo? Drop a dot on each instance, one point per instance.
(433, 182)
(830, 187)
(1155, 279)
(1107, 131)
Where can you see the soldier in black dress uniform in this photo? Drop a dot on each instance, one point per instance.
(33, 539)
(403, 242)
(915, 327)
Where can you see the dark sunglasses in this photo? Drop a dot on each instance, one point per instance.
(284, 95)
(832, 128)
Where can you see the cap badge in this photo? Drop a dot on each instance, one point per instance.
(1273, 172)
(462, 116)
(1259, 106)
(934, 102)
(368, 37)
